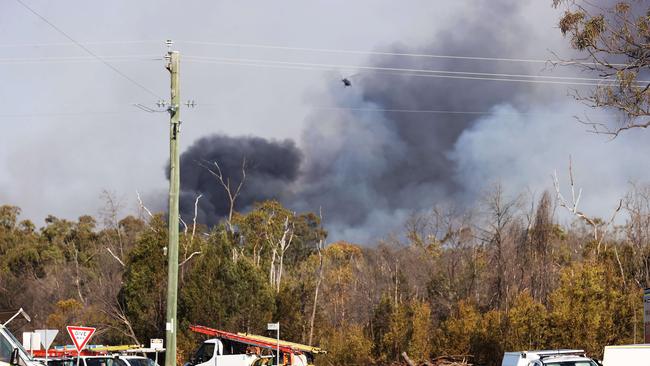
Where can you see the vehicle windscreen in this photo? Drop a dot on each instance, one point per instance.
(204, 354)
(571, 363)
(16, 342)
(100, 361)
(141, 362)
(69, 362)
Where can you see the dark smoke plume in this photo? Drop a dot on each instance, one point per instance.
(271, 166)
(369, 170)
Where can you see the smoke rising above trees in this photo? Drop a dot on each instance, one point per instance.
(369, 170)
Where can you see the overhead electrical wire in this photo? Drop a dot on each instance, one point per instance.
(116, 70)
(317, 50)
(386, 53)
(393, 69)
(64, 44)
(63, 59)
(413, 72)
(467, 75)
(408, 111)
(221, 106)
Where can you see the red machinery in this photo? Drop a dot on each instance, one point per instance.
(253, 341)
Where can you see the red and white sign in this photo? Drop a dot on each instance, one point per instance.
(80, 336)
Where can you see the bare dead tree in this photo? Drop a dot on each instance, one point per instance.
(231, 192)
(500, 213)
(188, 242)
(283, 244)
(77, 280)
(110, 214)
(637, 230)
(599, 227)
(319, 277)
(614, 42)
(144, 208)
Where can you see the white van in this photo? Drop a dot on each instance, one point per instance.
(631, 355)
(560, 357)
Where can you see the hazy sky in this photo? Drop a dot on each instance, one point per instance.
(70, 130)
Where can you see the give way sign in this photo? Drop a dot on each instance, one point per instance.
(80, 336)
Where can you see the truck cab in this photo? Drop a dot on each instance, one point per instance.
(218, 352)
(548, 358)
(12, 351)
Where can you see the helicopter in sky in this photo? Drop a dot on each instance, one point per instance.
(347, 80)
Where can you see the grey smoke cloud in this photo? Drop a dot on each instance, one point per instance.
(369, 170)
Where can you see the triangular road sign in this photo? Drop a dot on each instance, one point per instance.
(47, 336)
(80, 336)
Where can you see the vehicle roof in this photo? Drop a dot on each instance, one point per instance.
(553, 359)
(630, 346)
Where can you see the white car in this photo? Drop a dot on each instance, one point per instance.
(548, 358)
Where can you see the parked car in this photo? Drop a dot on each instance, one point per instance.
(562, 357)
(58, 361)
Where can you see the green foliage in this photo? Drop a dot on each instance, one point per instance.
(527, 323)
(348, 345)
(223, 293)
(426, 297)
(143, 292)
(419, 348)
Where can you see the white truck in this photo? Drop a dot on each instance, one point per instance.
(630, 355)
(561, 357)
(215, 352)
(12, 352)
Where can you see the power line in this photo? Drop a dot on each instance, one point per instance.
(61, 114)
(116, 70)
(411, 72)
(401, 69)
(310, 107)
(64, 59)
(404, 110)
(469, 75)
(385, 53)
(310, 49)
(64, 44)
(317, 66)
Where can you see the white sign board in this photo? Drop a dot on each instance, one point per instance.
(273, 326)
(80, 336)
(156, 343)
(47, 336)
(31, 341)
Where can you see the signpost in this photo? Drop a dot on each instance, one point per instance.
(47, 337)
(80, 337)
(157, 345)
(276, 327)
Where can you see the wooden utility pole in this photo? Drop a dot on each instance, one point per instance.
(173, 63)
